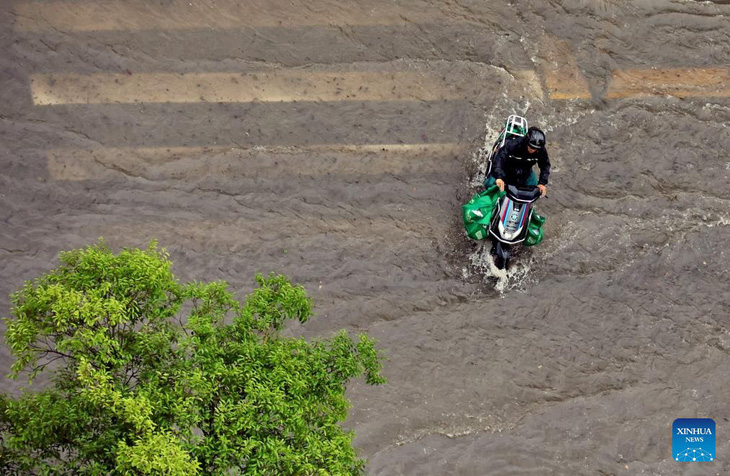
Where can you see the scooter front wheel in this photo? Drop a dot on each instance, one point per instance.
(501, 255)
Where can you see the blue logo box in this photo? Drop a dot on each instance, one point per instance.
(693, 439)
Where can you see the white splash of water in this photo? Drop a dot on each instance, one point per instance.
(480, 158)
(517, 276)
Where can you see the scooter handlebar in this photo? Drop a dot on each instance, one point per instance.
(524, 194)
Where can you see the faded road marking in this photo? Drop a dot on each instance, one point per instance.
(265, 86)
(192, 163)
(678, 82)
(563, 79)
(529, 81)
(232, 235)
(135, 15)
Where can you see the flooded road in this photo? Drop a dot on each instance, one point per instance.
(335, 142)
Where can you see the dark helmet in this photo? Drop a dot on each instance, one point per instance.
(535, 138)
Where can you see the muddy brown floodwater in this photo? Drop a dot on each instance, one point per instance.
(334, 141)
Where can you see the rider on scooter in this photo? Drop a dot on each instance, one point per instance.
(513, 162)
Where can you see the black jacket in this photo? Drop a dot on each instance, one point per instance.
(513, 163)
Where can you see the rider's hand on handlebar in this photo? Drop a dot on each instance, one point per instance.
(500, 184)
(543, 189)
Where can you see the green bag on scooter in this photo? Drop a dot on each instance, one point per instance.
(477, 212)
(534, 229)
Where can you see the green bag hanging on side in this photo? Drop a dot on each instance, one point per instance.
(477, 212)
(534, 229)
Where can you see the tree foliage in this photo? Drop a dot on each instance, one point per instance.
(152, 376)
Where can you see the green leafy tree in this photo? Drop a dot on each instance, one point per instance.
(138, 389)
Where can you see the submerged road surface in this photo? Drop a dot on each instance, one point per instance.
(334, 141)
